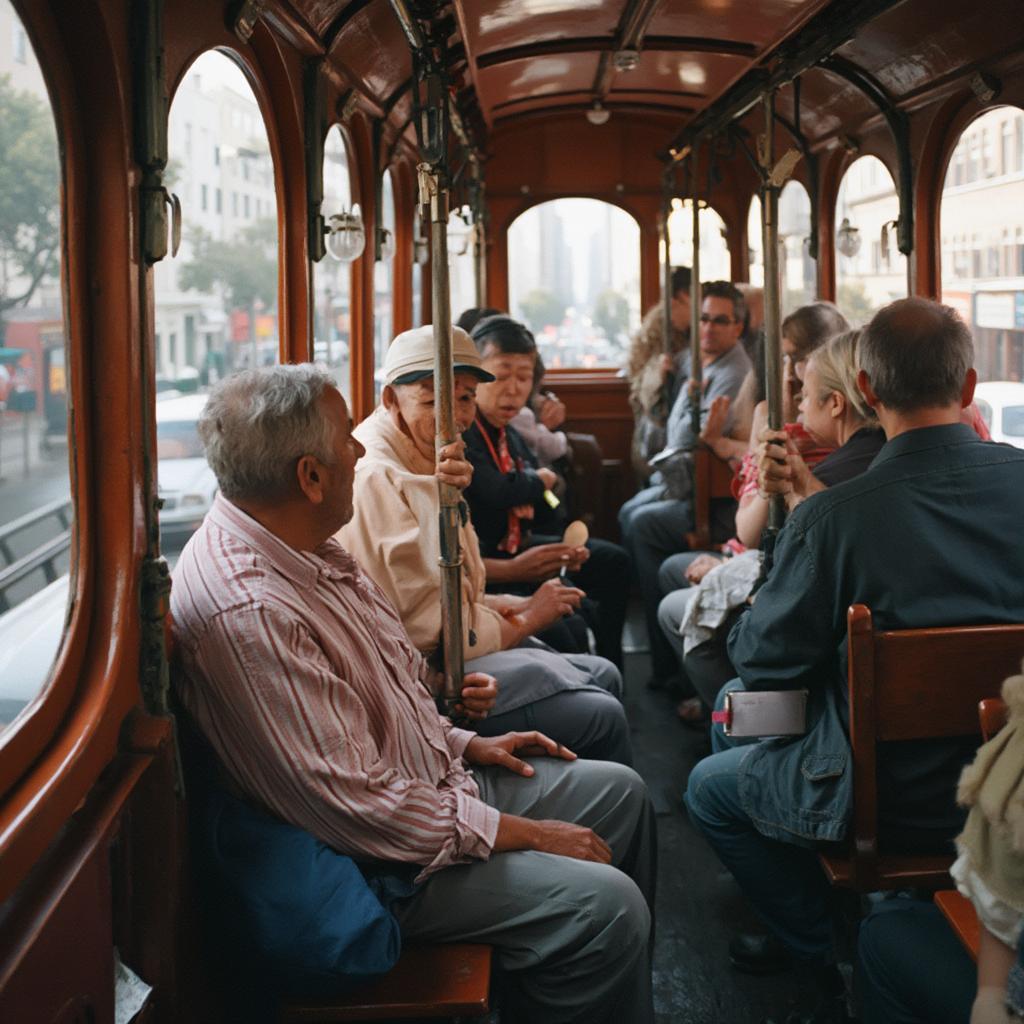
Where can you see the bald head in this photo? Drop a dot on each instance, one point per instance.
(916, 355)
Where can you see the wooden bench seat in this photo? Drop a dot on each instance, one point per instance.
(712, 479)
(959, 912)
(906, 685)
(428, 981)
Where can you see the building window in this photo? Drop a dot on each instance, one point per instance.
(216, 156)
(245, 206)
(20, 45)
(203, 197)
(218, 201)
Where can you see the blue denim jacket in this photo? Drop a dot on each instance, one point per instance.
(928, 536)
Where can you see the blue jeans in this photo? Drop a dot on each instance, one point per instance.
(913, 968)
(784, 883)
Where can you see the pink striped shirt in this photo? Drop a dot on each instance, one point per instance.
(299, 673)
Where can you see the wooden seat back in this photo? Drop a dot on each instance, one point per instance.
(712, 478)
(992, 713)
(906, 685)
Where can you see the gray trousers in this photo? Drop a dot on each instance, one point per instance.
(572, 938)
(589, 719)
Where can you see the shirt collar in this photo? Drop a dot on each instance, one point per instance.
(302, 568)
(923, 439)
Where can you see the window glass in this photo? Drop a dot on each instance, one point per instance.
(420, 255)
(35, 483)
(755, 243)
(216, 301)
(981, 224)
(574, 280)
(383, 284)
(332, 280)
(461, 261)
(870, 270)
(799, 271)
(714, 247)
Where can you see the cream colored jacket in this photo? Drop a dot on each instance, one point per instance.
(394, 537)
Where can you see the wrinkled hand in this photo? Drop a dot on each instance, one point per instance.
(566, 840)
(552, 412)
(547, 560)
(714, 425)
(479, 694)
(775, 473)
(549, 603)
(549, 477)
(502, 750)
(700, 567)
(452, 467)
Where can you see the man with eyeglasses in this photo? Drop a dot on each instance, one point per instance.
(655, 522)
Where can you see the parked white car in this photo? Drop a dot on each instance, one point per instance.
(1002, 405)
(185, 481)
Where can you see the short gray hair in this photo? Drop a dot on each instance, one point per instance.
(916, 354)
(258, 423)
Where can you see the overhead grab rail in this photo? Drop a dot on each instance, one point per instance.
(816, 41)
(433, 119)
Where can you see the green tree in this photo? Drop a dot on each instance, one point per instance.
(540, 309)
(245, 267)
(29, 197)
(853, 302)
(611, 313)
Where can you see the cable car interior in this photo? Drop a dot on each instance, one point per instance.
(191, 188)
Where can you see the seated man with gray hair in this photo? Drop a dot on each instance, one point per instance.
(574, 698)
(300, 675)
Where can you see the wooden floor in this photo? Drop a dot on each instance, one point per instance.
(698, 905)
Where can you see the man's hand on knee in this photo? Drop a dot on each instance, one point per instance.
(558, 837)
(483, 750)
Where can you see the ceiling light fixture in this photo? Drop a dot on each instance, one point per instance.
(626, 60)
(597, 114)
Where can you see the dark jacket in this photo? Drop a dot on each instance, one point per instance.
(492, 493)
(929, 536)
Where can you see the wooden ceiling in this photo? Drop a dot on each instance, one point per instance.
(519, 59)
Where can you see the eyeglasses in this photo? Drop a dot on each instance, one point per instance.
(718, 321)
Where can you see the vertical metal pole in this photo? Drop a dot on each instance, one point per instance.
(696, 367)
(445, 433)
(772, 336)
(480, 246)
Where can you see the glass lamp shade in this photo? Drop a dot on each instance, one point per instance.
(346, 237)
(848, 238)
(597, 114)
(458, 234)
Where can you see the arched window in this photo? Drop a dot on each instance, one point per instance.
(461, 261)
(870, 270)
(574, 279)
(383, 282)
(37, 553)
(714, 247)
(420, 255)
(755, 243)
(332, 280)
(216, 301)
(798, 270)
(982, 228)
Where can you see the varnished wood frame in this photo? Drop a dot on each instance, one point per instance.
(53, 755)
